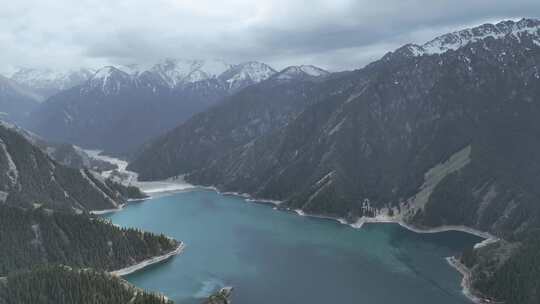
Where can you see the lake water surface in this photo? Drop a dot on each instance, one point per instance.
(271, 256)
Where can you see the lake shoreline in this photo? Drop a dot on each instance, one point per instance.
(149, 262)
(466, 281)
(107, 211)
(466, 284)
(363, 220)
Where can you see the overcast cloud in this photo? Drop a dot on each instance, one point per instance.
(333, 34)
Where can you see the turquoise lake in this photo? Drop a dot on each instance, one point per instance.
(272, 256)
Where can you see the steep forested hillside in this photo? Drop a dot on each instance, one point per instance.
(63, 285)
(508, 271)
(44, 221)
(29, 177)
(237, 121)
(64, 153)
(35, 237)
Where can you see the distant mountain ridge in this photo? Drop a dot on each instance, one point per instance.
(300, 72)
(455, 40)
(47, 82)
(16, 101)
(142, 103)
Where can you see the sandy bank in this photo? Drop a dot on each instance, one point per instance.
(148, 262)
(105, 211)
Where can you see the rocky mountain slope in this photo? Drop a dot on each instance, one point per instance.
(29, 178)
(138, 104)
(65, 154)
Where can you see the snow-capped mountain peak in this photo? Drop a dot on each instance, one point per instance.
(47, 82)
(300, 72)
(458, 39)
(173, 71)
(247, 73)
(109, 80)
(167, 74)
(178, 71)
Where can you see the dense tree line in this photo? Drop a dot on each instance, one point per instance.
(508, 272)
(44, 223)
(63, 285)
(34, 237)
(130, 192)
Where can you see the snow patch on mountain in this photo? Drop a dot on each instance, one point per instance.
(12, 173)
(301, 71)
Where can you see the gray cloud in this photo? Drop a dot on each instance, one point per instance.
(335, 34)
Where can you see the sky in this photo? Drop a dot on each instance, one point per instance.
(332, 34)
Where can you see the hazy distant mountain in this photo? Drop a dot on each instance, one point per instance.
(245, 74)
(47, 82)
(137, 105)
(180, 72)
(300, 72)
(16, 101)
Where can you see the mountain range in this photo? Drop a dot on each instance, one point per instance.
(444, 133)
(16, 101)
(47, 82)
(139, 104)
